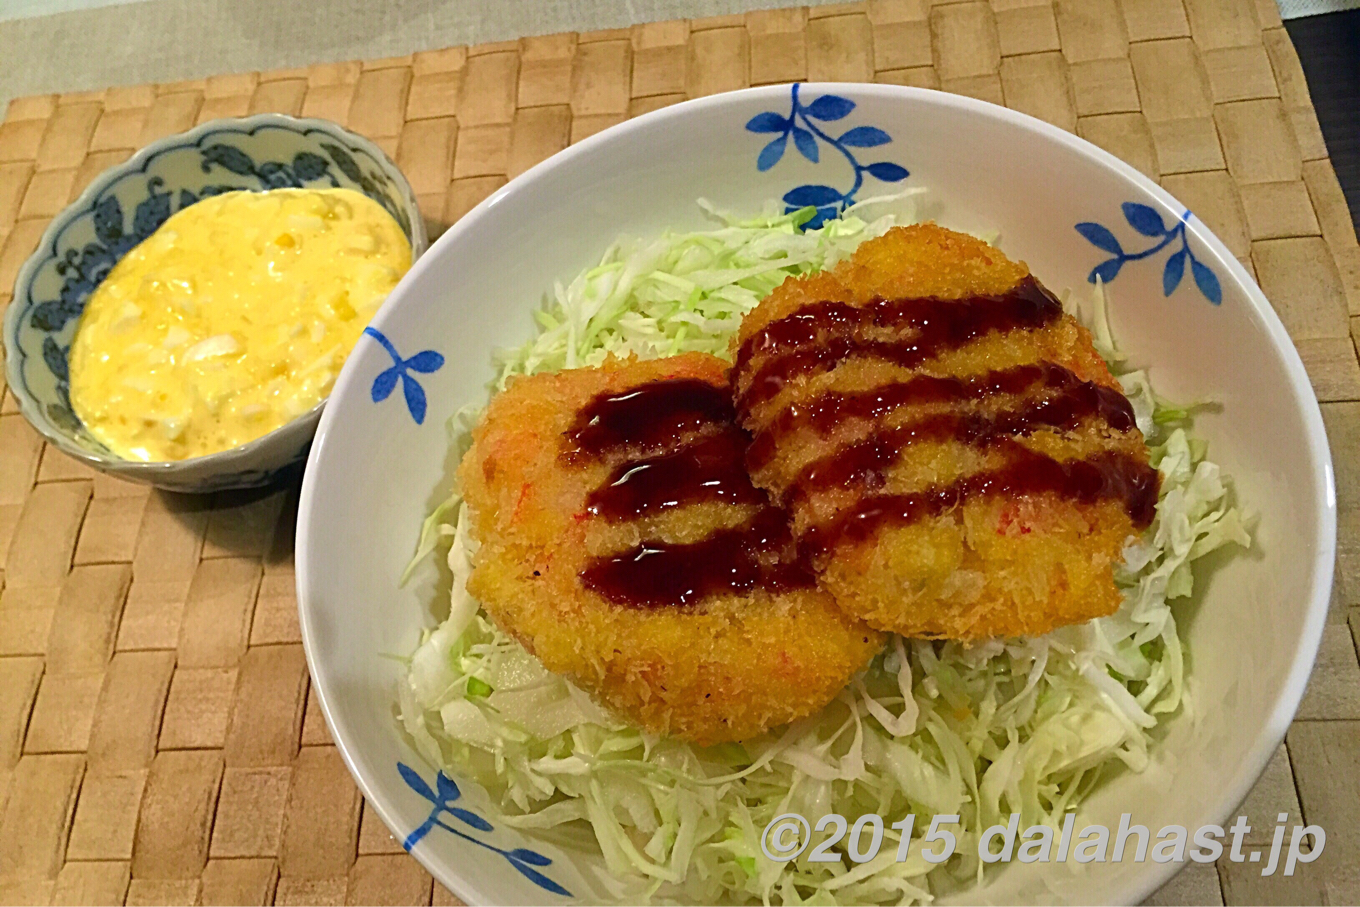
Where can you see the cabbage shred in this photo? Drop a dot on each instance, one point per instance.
(982, 730)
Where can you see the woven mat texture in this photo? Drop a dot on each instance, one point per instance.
(157, 740)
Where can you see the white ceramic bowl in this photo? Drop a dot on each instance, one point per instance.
(127, 203)
(374, 473)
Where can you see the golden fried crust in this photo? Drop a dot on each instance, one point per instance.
(921, 260)
(725, 669)
(996, 565)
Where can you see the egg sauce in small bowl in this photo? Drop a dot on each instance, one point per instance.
(231, 320)
(183, 321)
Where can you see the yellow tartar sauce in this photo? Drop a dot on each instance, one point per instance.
(231, 319)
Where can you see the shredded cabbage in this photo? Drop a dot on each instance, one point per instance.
(1022, 725)
(687, 292)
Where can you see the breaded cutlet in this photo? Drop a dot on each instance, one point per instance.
(957, 458)
(622, 543)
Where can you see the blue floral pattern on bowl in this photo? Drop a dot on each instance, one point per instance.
(441, 799)
(425, 362)
(802, 125)
(1145, 220)
(124, 206)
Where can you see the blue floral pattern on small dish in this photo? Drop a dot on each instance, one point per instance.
(84, 269)
(802, 125)
(1145, 220)
(442, 798)
(425, 362)
(125, 205)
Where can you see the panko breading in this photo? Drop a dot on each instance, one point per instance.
(957, 458)
(558, 525)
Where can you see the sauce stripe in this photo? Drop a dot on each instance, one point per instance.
(658, 418)
(866, 462)
(653, 417)
(733, 561)
(819, 337)
(707, 470)
(823, 413)
(1105, 476)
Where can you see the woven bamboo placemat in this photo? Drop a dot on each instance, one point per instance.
(157, 740)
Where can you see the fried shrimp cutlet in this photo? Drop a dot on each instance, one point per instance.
(958, 460)
(623, 544)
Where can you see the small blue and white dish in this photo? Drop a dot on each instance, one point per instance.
(124, 206)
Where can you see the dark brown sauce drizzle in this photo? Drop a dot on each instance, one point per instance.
(865, 463)
(707, 470)
(665, 416)
(823, 413)
(660, 574)
(818, 337)
(684, 445)
(653, 417)
(1105, 476)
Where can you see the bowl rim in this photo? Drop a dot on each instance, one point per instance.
(1234, 789)
(222, 461)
